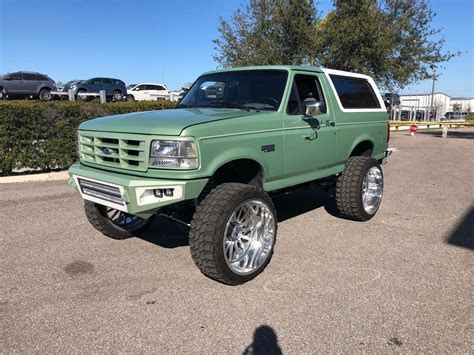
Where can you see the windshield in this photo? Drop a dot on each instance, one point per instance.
(131, 86)
(246, 89)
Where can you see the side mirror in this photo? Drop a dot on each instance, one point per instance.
(314, 108)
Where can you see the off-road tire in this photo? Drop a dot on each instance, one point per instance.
(349, 188)
(97, 217)
(45, 95)
(208, 227)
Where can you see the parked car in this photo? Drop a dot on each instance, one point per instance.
(68, 85)
(147, 91)
(391, 100)
(114, 88)
(214, 162)
(24, 84)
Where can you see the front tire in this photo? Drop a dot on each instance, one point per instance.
(359, 189)
(113, 223)
(82, 97)
(233, 233)
(130, 98)
(45, 95)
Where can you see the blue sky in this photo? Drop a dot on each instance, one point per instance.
(167, 41)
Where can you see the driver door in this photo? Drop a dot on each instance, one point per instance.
(309, 142)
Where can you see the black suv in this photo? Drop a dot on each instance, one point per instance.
(114, 88)
(26, 84)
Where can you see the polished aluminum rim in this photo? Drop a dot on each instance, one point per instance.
(124, 220)
(372, 190)
(249, 236)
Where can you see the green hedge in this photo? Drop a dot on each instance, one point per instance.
(42, 135)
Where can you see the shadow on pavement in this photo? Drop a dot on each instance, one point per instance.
(265, 341)
(463, 235)
(452, 133)
(301, 201)
(165, 233)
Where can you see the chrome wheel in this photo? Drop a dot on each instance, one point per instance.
(249, 236)
(372, 190)
(124, 220)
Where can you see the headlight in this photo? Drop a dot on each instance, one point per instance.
(173, 154)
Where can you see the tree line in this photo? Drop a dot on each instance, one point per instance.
(391, 40)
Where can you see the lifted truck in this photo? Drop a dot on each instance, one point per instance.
(238, 136)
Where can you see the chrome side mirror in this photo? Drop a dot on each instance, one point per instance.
(314, 108)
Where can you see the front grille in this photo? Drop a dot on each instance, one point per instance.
(101, 191)
(120, 151)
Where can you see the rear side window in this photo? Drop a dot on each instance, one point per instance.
(355, 92)
(28, 76)
(106, 81)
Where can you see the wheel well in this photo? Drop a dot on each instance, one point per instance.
(241, 170)
(44, 87)
(364, 148)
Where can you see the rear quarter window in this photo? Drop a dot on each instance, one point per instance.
(355, 92)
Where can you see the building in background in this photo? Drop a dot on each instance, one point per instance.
(417, 107)
(462, 104)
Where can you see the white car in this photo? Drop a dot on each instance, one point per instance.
(147, 91)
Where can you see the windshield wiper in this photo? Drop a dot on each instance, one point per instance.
(230, 104)
(184, 106)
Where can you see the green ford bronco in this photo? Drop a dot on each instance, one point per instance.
(238, 137)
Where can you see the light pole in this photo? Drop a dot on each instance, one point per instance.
(433, 67)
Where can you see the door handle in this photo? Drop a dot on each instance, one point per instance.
(330, 123)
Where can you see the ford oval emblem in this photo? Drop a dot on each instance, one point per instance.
(106, 150)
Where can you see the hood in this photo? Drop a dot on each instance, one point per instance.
(163, 122)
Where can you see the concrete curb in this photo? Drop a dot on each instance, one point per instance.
(60, 175)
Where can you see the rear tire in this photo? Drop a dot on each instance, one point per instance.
(359, 189)
(233, 233)
(115, 227)
(45, 95)
(117, 96)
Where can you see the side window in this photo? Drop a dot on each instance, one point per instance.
(355, 92)
(304, 87)
(16, 76)
(106, 81)
(29, 77)
(39, 77)
(293, 107)
(159, 87)
(140, 88)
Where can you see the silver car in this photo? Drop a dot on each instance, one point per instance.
(26, 84)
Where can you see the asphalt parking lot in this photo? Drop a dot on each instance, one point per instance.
(401, 282)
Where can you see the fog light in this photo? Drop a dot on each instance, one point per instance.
(158, 193)
(168, 192)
